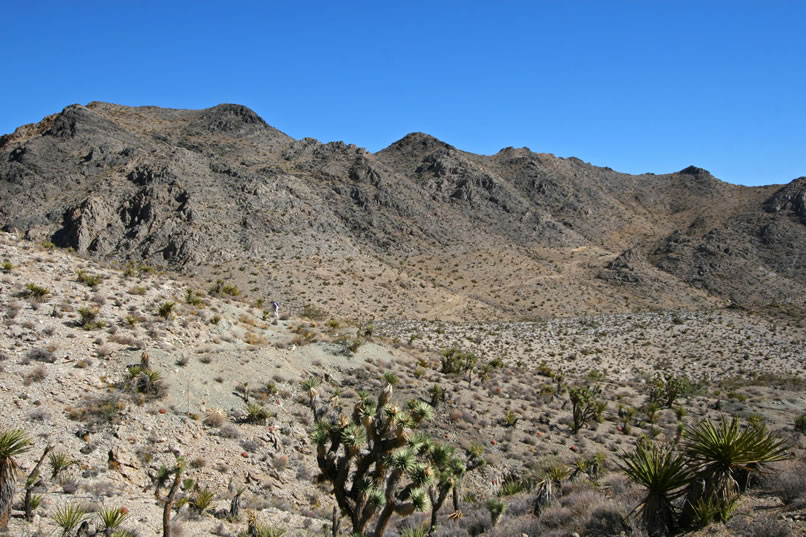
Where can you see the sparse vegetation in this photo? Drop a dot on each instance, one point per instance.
(512, 405)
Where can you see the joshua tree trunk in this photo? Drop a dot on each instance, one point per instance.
(437, 500)
(30, 483)
(169, 502)
(336, 525)
(7, 480)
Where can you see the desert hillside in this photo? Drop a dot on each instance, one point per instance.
(226, 391)
(467, 345)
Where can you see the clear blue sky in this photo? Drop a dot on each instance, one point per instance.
(640, 86)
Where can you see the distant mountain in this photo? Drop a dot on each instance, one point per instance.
(418, 229)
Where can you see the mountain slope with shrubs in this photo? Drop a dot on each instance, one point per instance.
(148, 400)
(418, 229)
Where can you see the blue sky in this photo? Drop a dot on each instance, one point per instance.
(639, 86)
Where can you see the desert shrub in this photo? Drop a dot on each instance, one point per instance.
(760, 526)
(97, 410)
(250, 446)
(192, 298)
(220, 288)
(800, 423)
(41, 355)
(788, 482)
(35, 292)
(88, 279)
(229, 431)
(607, 520)
(314, 313)
(165, 309)
(88, 318)
(38, 374)
(556, 516)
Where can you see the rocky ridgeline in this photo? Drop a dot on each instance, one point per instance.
(201, 190)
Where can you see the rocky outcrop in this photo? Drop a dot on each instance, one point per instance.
(791, 199)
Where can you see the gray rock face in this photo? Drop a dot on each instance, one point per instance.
(190, 188)
(789, 199)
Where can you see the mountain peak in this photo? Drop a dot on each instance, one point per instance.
(418, 141)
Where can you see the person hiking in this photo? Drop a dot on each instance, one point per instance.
(276, 307)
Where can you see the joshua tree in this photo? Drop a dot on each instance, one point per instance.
(162, 479)
(437, 393)
(450, 470)
(12, 443)
(584, 405)
(664, 390)
(496, 508)
(459, 362)
(377, 466)
(309, 385)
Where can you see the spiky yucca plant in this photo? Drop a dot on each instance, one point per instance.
(663, 473)
(496, 508)
(69, 516)
(60, 462)
(111, 518)
(12, 443)
(722, 457)
(548, 488)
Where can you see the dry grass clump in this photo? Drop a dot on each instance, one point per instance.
(127, 340)
(38, 374)
(229, 431)
(215, 418)
(97, 410)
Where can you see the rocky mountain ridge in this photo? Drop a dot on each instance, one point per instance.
(422, 223)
